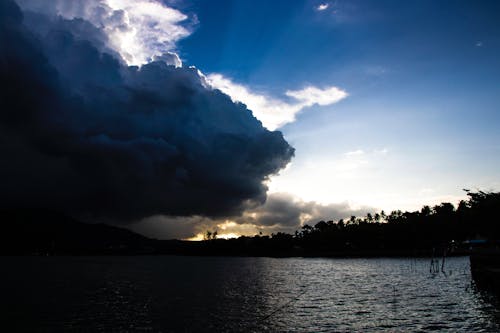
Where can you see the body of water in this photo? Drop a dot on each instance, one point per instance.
(225, 294)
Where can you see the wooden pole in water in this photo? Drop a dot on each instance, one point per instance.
(431, 268)
(444, 257)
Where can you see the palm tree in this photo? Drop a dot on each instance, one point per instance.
(382, 215)
(426, 211)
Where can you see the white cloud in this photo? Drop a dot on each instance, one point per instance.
(138, 30)
(323, 6)
(312, 95)
(274, 112)
(355, 152)
(149, 29)
(360, 152)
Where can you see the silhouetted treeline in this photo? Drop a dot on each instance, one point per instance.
(431, 229)
(397, 233)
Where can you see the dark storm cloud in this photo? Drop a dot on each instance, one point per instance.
(83, 133)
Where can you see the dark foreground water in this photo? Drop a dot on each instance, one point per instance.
(192, 294)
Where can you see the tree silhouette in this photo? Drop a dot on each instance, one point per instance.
(398, 233)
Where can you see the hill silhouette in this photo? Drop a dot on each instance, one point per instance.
(46, 232)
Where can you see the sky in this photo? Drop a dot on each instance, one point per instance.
(348, 107)
(421, 118)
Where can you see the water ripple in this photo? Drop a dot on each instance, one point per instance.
(190, 294)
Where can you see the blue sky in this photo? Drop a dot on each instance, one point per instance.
(421, 119)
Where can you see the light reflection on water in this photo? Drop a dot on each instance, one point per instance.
(192, 294)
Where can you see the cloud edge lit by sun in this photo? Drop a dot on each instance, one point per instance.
(276, 112)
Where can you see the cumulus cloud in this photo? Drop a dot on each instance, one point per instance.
(170, 58)
(274, 112)
(82, 132)
(138, 30)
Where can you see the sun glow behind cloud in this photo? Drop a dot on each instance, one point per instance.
(282, 212)
(148, 29)
(138, 30)
(333, 179)
(226, 229)
(359, 178)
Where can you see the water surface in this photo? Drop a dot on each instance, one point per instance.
(193, 294)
